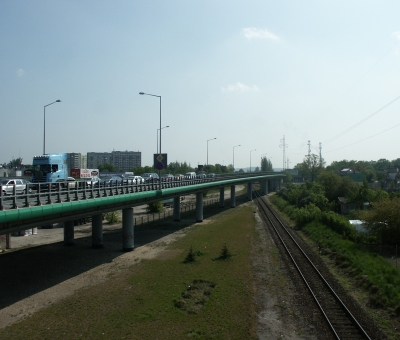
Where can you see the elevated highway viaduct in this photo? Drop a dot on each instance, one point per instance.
(34, 210)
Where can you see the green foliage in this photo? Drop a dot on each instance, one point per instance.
(289, 177)
(138, 170)
(155, 207)
(266, 164)
(112, 217)
(307, 214)
(311, 166)
(302, 195)
(374, 273)
(334, 185)
(107, 167)
(339, 224)
(225, 253)
(190, 257)
(15, 163)
(383, 220)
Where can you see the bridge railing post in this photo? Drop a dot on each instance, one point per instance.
(1, 200)
(49, 193)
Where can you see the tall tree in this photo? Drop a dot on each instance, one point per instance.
(15, 163)
(384, 220)
(311, 166)
(266, 164)
(107, 167)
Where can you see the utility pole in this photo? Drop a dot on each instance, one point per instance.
(320, 153)
(283, 146)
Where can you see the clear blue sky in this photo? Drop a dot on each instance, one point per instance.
(244, 72)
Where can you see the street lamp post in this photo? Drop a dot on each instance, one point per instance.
(234, 156)
(44, 125)
(207, 149)
(157, 134)
(250, 157)
(153, 95)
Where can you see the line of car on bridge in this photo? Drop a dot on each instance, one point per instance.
(23, 186)
(148, 177)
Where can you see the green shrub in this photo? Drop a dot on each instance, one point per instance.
(112, 217)
(339, 224)
(190, 257)
(307, 214)
(155, 207)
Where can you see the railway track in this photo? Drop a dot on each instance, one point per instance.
(340, 320)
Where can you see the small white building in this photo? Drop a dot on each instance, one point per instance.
(359, 225)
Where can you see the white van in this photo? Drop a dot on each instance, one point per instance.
(190, 175)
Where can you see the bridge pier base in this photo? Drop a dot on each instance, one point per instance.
(97, 231)
(221, 197)
(127, 229)
(69, 233)
(233, 196)
(249, 191)
(177, 209)
(199, 207)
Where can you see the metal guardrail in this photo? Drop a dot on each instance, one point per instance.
(56, 193)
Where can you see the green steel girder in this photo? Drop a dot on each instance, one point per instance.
(39, 215)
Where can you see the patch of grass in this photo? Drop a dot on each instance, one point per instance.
(372, 272)
(194, 298)
(140, 303)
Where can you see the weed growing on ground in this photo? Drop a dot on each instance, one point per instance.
(112, 217)
(190, 257)
(225, 254)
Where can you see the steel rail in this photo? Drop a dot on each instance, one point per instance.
(331, 290)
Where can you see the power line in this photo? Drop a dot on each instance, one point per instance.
(364, 139)
(360, 122)
(354, 84)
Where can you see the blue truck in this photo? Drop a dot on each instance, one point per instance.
(49, 168)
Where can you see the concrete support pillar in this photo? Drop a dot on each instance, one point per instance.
(177, 208)
(233, 196)
(249, 191)
(97, 231)
(69, 233)
(199, 207)
(8, 241)
(127, 229)
(221, 197)
(264, 187)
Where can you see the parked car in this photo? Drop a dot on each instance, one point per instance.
(190, 175)
(150, 177)
(167, 178)
(201, 175)
(95, 181)
(135, 180)
(115, 180)
(179, 177)
(211, 175)
(64, 183)
(8, 185)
